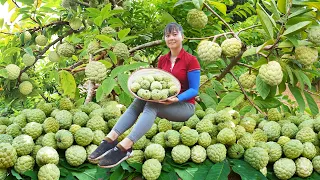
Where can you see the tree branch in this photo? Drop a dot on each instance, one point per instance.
(148, 44)
(91, 86)
(232, 64)
(50, 24)
(247, 28)
(245, 65)
(83, 3)
(7, 33)
(245, 94)
(15, 2)
(221, 19)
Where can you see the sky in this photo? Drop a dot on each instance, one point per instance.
(4, 12)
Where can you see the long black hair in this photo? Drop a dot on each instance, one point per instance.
(172, 27)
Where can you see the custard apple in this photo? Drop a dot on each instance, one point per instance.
(33, 129)
(144, 94)
(108, 30)
(135, 87)
(83, 136)
(65, 119)
(24, 76)
(293, 149)
(138, 157)
(180, 153)
(284, 168)
(13, 71)
(216, 152)
(257, 157)
(304, 167)
(76, 155)
(49, 140)
(28, 59)
(154, 151)
(274, 114)
(204, 139)
(66, 50)
(41, 40)
(226, 136)
(235, 151)
(23, 144)
(306, 55)
(316, 163)
(231, 47)
(14, 130)
(27, 36)
(275, 151)
(96, 123)
(93, 46)
(50, 125)
(47, 155)
(121, 51)
(151, 169)
(75, 23)
(172, 138)
(49, 171)
(198, 154)
(306, 134)
(314, 35)
(209, 51)
(74, 128)
(25, 87)
(8, 155)
(36, 115)
(64, 139)
(152, 131)
(247, 80)
(289, 129)
(189, 137)
(271, 73)
(282, 140)
(309, 150)
(96, 71)
(246, 141)
(197, 18)
(273, 130)
(53, 56)
(24, 163)
(164, 125)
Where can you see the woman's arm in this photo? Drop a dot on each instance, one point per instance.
(194, 83)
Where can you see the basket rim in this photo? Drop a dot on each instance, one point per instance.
(158, 69)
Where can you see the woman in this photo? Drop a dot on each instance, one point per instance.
(186, 69)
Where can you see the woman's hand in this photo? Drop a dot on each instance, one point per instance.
(170, 101)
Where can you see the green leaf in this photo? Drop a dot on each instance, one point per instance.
(28, 50)
(125, 99)
(182, 2)
(1, 22)
(104, 38)
(249, 52)
(267, 103)
(15, 174)
(106, 63)
(93, 12)
(107, 85)
(202, 171)
(186, 174)
(311, 103)
(296, 27)
(123, 33)
(208, 100)
(168, 176)
(260, 62)
(289, 71)
(262, 88)
(265, 21)
(4, 73)
(297, 95)
(124, 68)
(246, 109)
(282, 6)
(196, 3)
(219, 171)
(101, 173)
(166, 18)
(31, 174)
(299, 12)
(137, 167)
(68, 83)
(300, 80)
(87, 174)
(218, 87)
(274, 10)
(231, 99)
(117, 174)
(79, 102)
(123, 81)
(220, 6)
(113, 57)
(98, 21)
(246, 171)
(305, 78)
(99, 93)
(10, 51)
(105, 11)
(128, 38)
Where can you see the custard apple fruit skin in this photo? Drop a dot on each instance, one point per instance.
(28, 59)
(198, 154)
(204, 139)
(33, 129)
(304, 167)
(53, 56)
(134, 87)
(96, 71)
(197, 18)
(284, 168)
(273, 130)
(309, 150)
(75, 23)
(306, 55)
(180, 153)
(47, 155)
(274, 114)
(316, 163)
(76, 155)
(259, 135)
(204, 126)
(27, 36)
(247, 80)
(271, 73)
(8, 155)
(25, 87)
(144, 94)
(96, 123)
(13, 71)
(66, 50)
(24, 76)
(216, 152)
(246, 141)
(154, 151)
(14, 130)
(151, 169)
(226, 136)
(24, 163)
(3, 174)
(64, 139)
(107, 30)
(257, 157)
(50, 125)
(23, 144)
(49, 140)
(314, 35)
(231, 47)
(289, 129)
(164, 125)
(80, 118)
(189, 137)
(83, 136)
(172, 138)
(275, 151)
(93, 46)
(121, 51)
(41, 40)
(138, 157)
(36, 115)
(209, 51)
(152, 131)
(293, 149)
(235, 151)
(306, 134)
(65, 119)
(49, 172)
(282, 140)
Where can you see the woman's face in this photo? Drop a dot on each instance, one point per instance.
(174, 39)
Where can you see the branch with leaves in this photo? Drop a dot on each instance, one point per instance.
(48, 25)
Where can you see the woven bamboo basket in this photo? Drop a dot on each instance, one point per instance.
(152, 71)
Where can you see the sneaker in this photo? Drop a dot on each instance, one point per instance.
(115, 157)
(102, 150)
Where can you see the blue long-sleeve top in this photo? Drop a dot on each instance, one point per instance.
(194, 83)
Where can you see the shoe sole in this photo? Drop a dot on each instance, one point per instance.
(101, 156)
(113, 165)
